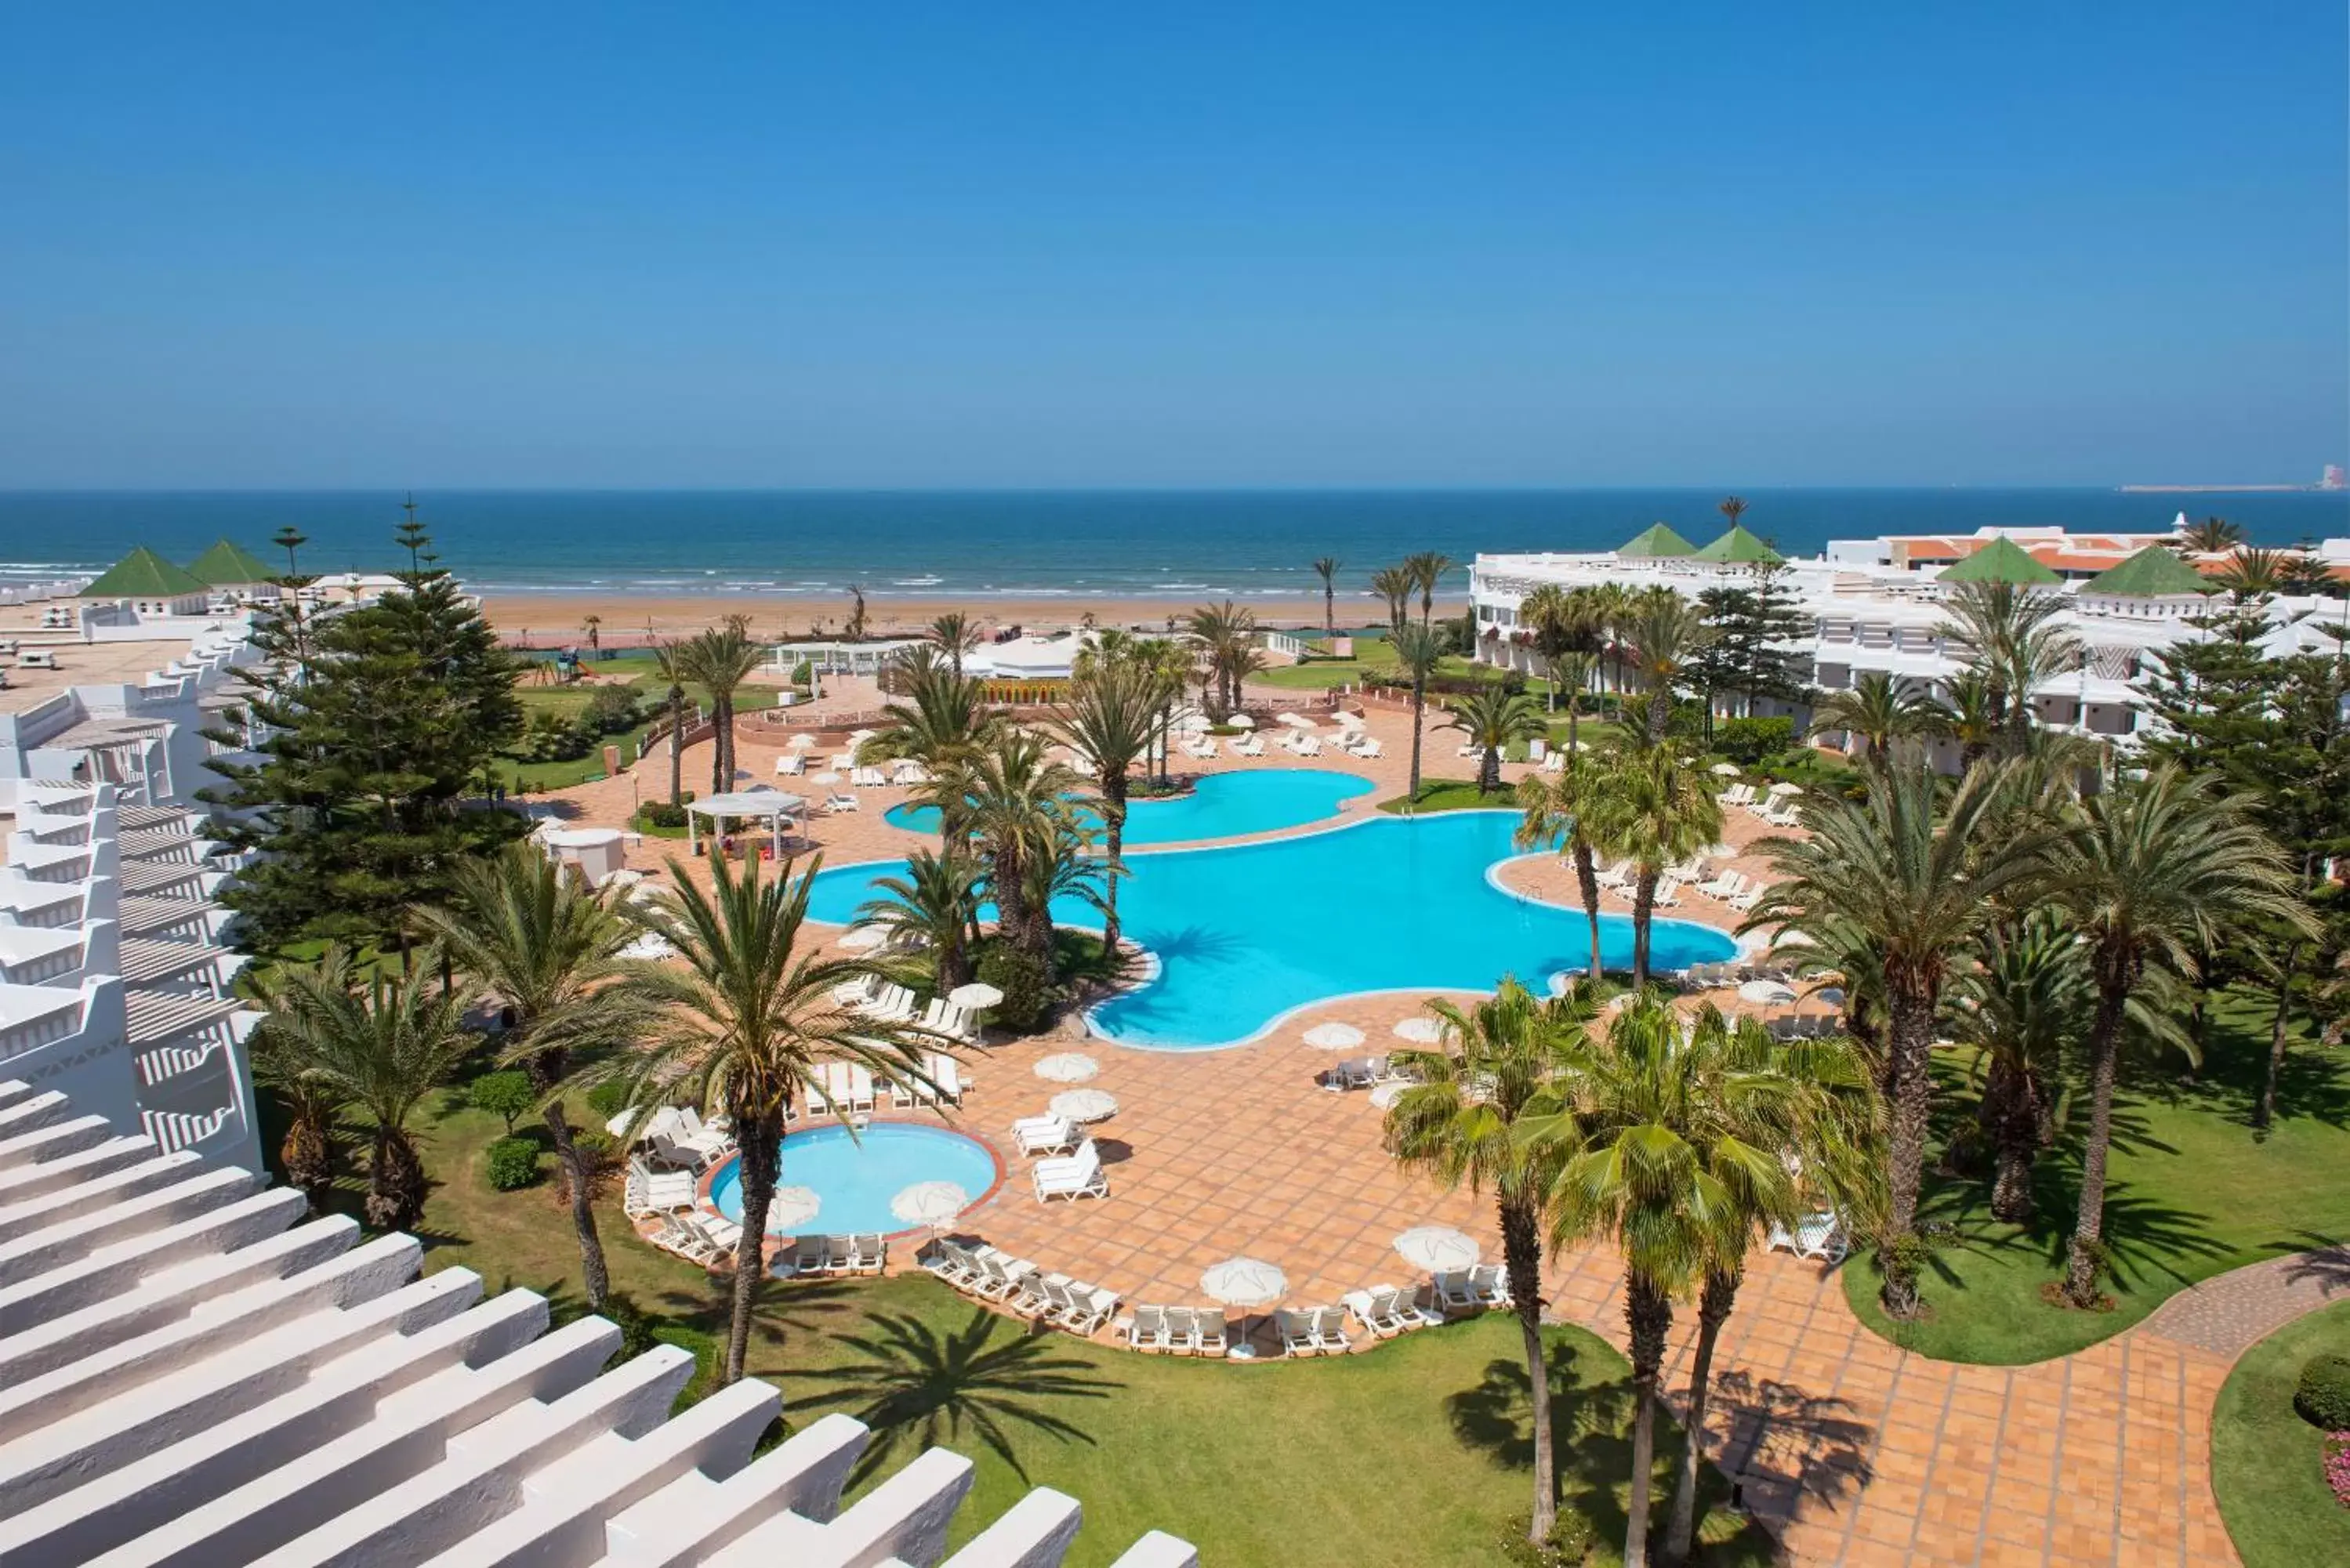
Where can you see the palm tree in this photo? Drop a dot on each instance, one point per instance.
(1876, 710)
(1732, 508)
(1426, 570)
(1652, 808)
(1968, 716)
(2253, 573)
(750, 1019)
(1550, 613)
(593, 626)
(1394, 584)
(2024, 1000)
(939, 718)
(1664, 630)
(1919, 877)
(1327, 569)
(954, 634)
(1109, 719)
(1552, 811)
(2153, 873)
(1493, 719)
(854, 629)
(381, 1046)
(674, 662)
(313, 1107)
(546, 949)
(721, 660)
(1226, 635)
(1611, 606)
(1504, 1060)
(2212, 536)
(2018, 644)
(1418, 651)
(935, 903)
(1016, 800)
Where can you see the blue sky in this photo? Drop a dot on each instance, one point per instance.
(263, 245)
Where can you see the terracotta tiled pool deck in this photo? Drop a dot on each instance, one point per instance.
(1856, 1452)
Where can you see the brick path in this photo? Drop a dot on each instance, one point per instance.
(1853, 1450)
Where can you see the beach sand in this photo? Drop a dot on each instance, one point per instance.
(629, 620)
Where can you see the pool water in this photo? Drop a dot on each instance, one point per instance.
(856, 1177)
(1222, 805)
(1246, 933)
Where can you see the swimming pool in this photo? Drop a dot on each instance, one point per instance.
(856, 1177)
(1222, 805)
(1247, 933)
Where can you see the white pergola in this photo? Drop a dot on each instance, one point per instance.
(771, 806)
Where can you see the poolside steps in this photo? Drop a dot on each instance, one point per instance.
(193, 1373)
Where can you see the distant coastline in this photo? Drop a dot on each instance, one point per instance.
(2227, 490)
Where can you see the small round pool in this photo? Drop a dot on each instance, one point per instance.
(1221, 805)
(856, 1177)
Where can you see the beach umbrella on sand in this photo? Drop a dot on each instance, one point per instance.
(1420, 1031)
(1067, 1068)
(931, 1203)
(977, 994)
(1437, 1248)
(1333, 1037)
(1243, 1282)
(1241, 721)
(1725, 770)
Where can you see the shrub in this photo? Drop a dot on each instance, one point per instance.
(513, 1162)
(636, 1324)
(661, 814)
(1747, 742)
(508, 1095)
(1025, 980)
(611, 710)
(606, 1098)
(2323, 1398)
(1572, 1538)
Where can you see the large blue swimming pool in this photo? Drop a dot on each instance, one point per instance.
(1222, 805)
(1247, 933)
(856, 1177)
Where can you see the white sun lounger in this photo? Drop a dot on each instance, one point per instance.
(1072, 1176)
(790, 765)
(1297, 1331)
(1489, 1285)
(1376, 1309)
(1045, 1134)
(1330, 1335)
(1147, 1330)
(836, 802)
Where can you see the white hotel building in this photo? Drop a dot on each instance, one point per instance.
(1876, 605)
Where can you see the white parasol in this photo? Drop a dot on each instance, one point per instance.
(1333, 1037)
(1241, 721)
(1782, 788)
(930, 1203)
(802, 742)
(1765, 993)
(1437, 1248)
(1082, 1106)
(651, 945)
(1386, 1095)
(1067, 1068)
(1243, 1282)
(791, 1208)
(1194, 723)
(1725, 770)
(863, 938)
(1420, 1031)
(1296, 720)
(977, 993)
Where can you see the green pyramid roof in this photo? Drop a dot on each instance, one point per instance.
(1740, 548)
(226, 564)
(2153, 573)
(144, 574)
(2000, 561)
(1655, 542)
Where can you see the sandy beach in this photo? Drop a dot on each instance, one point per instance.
(627, 621)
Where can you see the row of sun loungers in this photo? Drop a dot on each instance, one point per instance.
(994, 1276)
(1471, 1290)
(649, 1191)
(863, 1252)
(1362, 1072)
(1180, 1331)
(1314, 1331)
(1246, 745)
(890, 1002)
(1779, 810)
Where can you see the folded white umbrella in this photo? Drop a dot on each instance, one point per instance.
(1333, 1037)
(1437, 1248)
(1067, 1068)
(977, 993)
(1085, 1104)
(930, 1203)
(1421, 1030)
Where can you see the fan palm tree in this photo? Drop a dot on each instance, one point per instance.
(1015, 798)
(2026, 998)
(749, 1020)
(1418, 651)
(1664, 630)
(675, 663)
(1493, 719)
(1651, 805)
(546, 949)
(954, 635)
(1327, 569)
(1503, 1060)
(1060, 868)
(1878, 710)
(1552, 811)
(2153, 873)
(1426, 570)
(1394, 584)
(1906, 876)
(1968, 716)
(2018, 642)
(2211, 536)
(935, 904)
(381, 1046)
(1108, 718)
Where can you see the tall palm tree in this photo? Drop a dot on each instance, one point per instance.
(2153, 873)
(1418, 651)
(721, 660)
(1664, 630)
(1503, 1060)
(675, 663)
(940, 716)
(2253, 573)
(1109, 719)
(954, 634)
(1920, 876)
(2024, 1000)
(1171, 663)
(1552, 811)
(1426, 569)
(1226, 635)
(1969, 716)
(1654, 807)
(1550, 614)
(1327, 569)
(2211, 536)
(750, 1019)
(313, 1107)
(1611, 608)
(1394, 584)
(1731, 507)
(936, 902)
(1493, 719)
(2019, 642)
(546, 949)
(593, 627)
(381, 1046)
(1878, 710)
(1017, 800)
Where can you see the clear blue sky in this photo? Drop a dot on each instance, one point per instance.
(910, 245)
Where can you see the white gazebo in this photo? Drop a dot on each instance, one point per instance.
(771, 806)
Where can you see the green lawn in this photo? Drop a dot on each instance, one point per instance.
(1410, 1457)
(1449, 794)
(2192, 1194)
(569, 700)
(2267, 1462)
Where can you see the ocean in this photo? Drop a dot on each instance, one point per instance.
(1176, 545)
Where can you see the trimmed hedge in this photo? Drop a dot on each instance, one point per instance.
(2323, 1398)
(513, 1162)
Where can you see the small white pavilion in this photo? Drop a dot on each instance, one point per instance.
(772, 807)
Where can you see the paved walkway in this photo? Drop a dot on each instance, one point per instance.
(2229, 1314)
